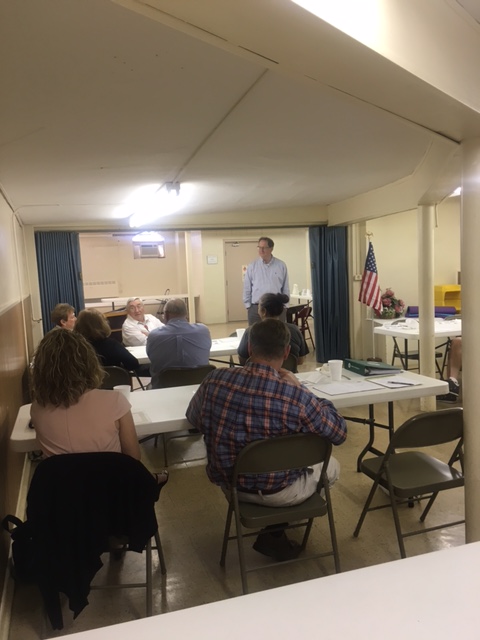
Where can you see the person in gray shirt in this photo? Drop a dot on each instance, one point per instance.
(178, 343)
(266, 274)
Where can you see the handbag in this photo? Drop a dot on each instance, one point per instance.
(23, 564)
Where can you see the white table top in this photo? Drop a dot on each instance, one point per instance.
(220, 347)
(300, 299)
(148, 299)
(410, 329)
(163, 410)
(427, 387)
(432, 596)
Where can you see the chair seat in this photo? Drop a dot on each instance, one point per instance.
(256, 515)
(414, 470)
(414, 355)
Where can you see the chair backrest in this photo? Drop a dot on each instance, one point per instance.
(290, 363)
(279, 454)
(293, 311)
(304, 313)
(116, 319)
(115, 376)
(429, 429)
(182, 377)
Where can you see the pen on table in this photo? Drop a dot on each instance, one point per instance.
(346, 377)
(402, 384)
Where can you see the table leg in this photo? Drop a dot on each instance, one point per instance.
(371, 430)
(398, 354)
(406, 355)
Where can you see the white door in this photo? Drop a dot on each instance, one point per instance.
(237, 256)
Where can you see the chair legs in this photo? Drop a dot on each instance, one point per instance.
(365, 509)
(333, 534)
(148, 569)
(393, 505)
(241, 553)
(241, 550)
(239, 538)
(148, 584)
(149, 580)
(161, 557)
(304, 328)
(228, 524)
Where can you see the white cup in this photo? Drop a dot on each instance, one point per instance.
(335, 367)
(240, 333)
(124, 390)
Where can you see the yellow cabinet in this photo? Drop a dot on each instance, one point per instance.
(448, 295)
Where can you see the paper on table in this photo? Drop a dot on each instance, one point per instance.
(396, 382)
(314, 377)
(339, 388)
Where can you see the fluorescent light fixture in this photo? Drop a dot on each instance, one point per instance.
(150, 205)
(457, 192)
(365, 21)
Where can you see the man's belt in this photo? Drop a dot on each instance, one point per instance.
(264, 492)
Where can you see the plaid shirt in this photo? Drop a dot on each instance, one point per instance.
(235, 406)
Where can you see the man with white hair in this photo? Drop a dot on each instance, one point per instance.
(138, 324)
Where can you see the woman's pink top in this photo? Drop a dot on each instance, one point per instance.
(88, 426)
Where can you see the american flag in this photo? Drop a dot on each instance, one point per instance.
(370, 291)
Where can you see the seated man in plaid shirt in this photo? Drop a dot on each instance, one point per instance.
(235, 406)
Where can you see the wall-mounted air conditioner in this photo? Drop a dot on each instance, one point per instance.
(149, 250)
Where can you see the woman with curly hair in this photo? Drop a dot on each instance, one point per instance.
(272, 305)
(69, 412)
(94, 327)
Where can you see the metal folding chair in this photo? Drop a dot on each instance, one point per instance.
(415, 474)
(297, 451)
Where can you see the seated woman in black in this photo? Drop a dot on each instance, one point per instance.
(92, 325)
(271, 305)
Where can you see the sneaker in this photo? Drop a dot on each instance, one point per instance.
(278, 547)
(453, 391)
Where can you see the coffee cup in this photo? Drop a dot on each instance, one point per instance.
(335, 367)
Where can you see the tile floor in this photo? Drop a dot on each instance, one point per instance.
(191, 515)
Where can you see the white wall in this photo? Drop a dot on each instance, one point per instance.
(109, 259)
(395, 240)
(291, 246)
(12, 261)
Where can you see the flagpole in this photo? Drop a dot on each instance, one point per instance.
(370, 290)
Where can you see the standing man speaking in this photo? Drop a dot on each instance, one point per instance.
(266, 274)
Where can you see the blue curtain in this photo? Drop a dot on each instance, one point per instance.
(328, 255)
(59, 271)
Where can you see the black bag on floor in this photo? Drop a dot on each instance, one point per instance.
(22, 548)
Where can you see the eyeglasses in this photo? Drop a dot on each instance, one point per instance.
(263, 248)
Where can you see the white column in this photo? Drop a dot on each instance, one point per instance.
(426, 223)
(189, 266)
(470, 261)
